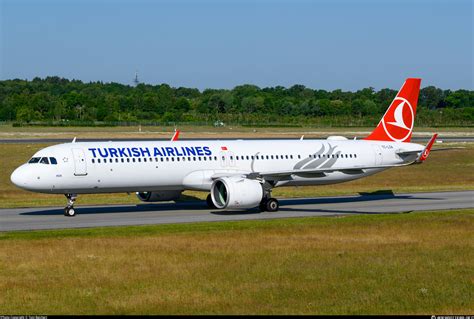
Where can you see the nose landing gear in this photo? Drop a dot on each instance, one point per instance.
(69, 209)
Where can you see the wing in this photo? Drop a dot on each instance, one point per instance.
(316, 172)
(319, 172)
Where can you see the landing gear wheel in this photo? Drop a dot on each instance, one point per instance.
(209, 202)
(69, 209)
(263, 205)
(69, 212)
(272, 205)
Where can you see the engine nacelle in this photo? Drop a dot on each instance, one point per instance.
(160, 196)
(236, 192)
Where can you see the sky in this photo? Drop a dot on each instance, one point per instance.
(337, 44)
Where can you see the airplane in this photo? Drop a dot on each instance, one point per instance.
(237, 174)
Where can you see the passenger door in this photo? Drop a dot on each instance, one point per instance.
(80, 166)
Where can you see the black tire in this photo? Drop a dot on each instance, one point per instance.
(272, 205)
(263, 205)
(69, 212)
(209, 202)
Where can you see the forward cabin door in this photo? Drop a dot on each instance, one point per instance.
(80, 168)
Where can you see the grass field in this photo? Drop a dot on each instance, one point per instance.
(419, 263)
(444, 171)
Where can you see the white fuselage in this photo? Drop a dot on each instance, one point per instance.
(104, 167)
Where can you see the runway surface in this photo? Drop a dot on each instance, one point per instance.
(197, 211)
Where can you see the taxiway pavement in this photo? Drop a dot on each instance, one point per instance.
(197, 211)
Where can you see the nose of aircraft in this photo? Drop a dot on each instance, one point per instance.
(19, 177)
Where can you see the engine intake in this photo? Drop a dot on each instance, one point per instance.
(236, 192)
(160, 196)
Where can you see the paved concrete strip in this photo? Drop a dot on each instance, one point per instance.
(187, 212)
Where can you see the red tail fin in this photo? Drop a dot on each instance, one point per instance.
(397, 123)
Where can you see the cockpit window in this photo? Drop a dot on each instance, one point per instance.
(34, 160)
(43, 160)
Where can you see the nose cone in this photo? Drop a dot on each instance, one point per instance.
(19, 177)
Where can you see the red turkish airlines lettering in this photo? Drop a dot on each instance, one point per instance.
(397, 123)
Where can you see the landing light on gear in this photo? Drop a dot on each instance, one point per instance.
(69, 209)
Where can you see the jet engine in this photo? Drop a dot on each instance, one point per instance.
(236, 192)
(160, 196)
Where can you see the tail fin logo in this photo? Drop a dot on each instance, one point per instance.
(399, 119)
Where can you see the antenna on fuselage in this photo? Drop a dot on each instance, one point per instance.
(301, 138)
(74, 140)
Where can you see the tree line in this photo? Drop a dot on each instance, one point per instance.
(58, 100)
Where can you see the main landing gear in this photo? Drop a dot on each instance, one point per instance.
(269, 205)
(69, 209)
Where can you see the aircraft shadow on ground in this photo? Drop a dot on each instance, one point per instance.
(198, 205)
(201, 205)
(335, 212)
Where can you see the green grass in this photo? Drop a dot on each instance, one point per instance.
(419, 263)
